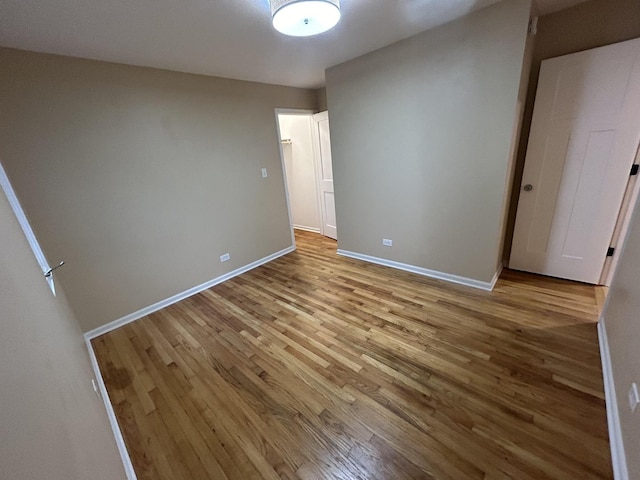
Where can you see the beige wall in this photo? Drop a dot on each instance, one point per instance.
(588, 25)
(52, 423)
(322, 99)
(140, 178)
(622, 318)
(421, 135)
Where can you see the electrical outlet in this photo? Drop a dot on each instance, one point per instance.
(387, 243)
(264, 173)
(634, 398)
(225, 257)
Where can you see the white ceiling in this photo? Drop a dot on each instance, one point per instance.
(227, 38)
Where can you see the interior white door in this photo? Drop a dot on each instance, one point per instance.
(325, 175)
(584, 135)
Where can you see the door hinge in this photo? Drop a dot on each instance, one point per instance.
(610, 251)
(634, 169)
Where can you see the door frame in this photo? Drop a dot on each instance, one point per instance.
(7, 188)
(622, 225)
(302, 113)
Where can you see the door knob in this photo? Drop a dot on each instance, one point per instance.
(528, 187)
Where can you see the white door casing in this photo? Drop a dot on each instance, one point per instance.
(325, 175)
(584, 135)
(47, 271)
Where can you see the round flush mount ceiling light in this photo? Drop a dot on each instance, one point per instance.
(303, 18)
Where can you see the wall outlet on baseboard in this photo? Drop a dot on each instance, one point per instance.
(387, 242)
(225, 257)
(634, 398)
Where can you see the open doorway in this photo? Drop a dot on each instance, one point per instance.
(306, 160)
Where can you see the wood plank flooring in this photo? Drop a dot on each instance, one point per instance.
(316, 366)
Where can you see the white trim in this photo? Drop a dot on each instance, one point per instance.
(26, 227)
(294, 111)
(90, 335)
(22, 219)
(470, 282)
(307, 229)
(496, 276)
(618, 457)
(622, 225)
(317, 168)
(122, 448)
(96, 332)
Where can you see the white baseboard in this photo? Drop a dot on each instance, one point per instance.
(618, 457)
(132, 317)
(124, 454)
(496, 276)
(122, 448)
(307, 229)
(470, 282)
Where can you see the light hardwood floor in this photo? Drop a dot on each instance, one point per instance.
(316, 366)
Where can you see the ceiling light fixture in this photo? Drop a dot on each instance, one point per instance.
(303, 18)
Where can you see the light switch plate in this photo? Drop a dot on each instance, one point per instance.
(264, 173)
